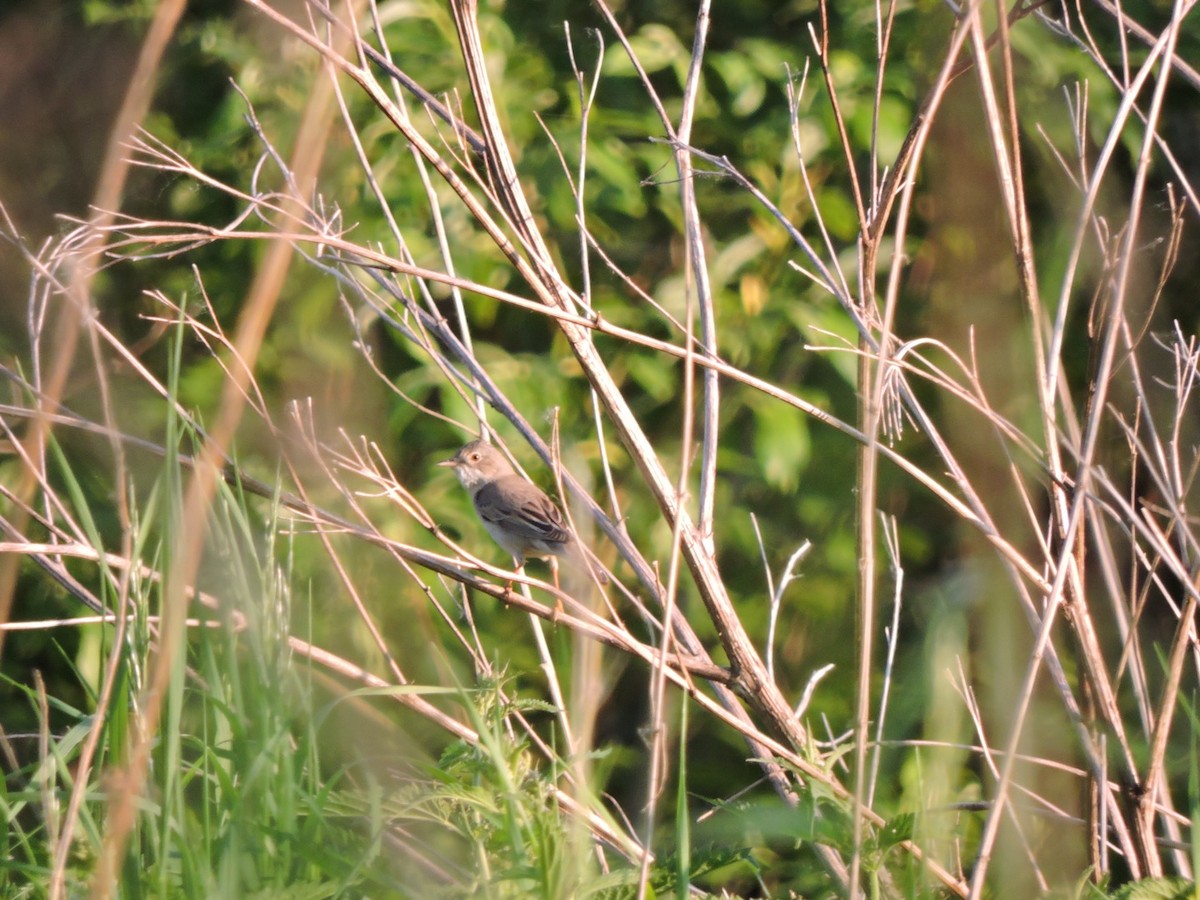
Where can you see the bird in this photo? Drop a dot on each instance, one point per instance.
(518, 515)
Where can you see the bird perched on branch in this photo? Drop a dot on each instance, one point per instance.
(518, 515)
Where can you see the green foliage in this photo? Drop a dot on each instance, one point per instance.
(1157, 889)
(236, 778)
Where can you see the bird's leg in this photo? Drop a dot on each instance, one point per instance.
(518, 568)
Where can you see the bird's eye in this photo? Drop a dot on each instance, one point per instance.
(475, 457)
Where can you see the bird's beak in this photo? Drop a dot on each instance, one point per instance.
(449, 463)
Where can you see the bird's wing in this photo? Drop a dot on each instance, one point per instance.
(533, 516)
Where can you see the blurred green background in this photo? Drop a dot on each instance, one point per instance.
(63, 74)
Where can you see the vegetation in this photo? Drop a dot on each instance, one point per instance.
(859, 343)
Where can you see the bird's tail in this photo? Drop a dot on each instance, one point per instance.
(583, 569)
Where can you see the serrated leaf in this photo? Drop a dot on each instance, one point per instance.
(896, 830)
(1173, 888)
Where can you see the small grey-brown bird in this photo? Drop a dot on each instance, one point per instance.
(518, 515)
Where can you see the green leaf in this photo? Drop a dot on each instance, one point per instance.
(897, 830)
(746, 86)
(781, 444)
(1174, 888)
(656, 48)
